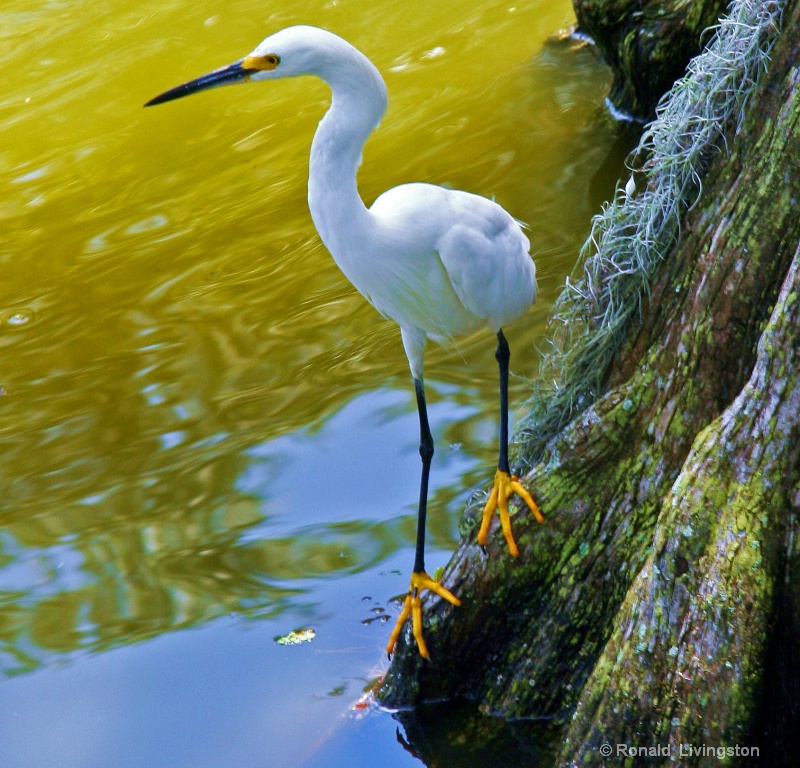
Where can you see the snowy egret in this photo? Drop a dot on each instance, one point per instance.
(439, 262)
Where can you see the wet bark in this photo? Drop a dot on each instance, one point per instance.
(647, 44)
(658, 604)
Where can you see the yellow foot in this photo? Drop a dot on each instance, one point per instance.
(413, 605)
(504, 486)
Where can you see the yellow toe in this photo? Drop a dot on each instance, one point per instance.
(504, 486)
(413, 606)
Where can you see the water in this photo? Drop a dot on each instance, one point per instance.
(208, 438)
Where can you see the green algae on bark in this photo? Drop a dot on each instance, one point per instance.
(686, 661)
(645, 602)
(637, 230)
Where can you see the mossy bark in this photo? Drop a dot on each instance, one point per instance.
(686, 661)
(647, 44)
(657, 604)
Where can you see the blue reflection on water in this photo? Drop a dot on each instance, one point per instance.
(362, 464)
(226, 694)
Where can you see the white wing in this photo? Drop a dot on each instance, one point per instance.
(458, 258)
(486, 256)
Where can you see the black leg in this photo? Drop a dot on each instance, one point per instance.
(419, 579)
(503, 355)
(504, 482)
(426, 454)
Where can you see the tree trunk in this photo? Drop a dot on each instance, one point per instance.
(657, 605)
(647, 44)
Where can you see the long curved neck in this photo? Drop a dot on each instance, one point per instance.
(358, 101)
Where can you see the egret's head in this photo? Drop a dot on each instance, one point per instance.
(299, 50)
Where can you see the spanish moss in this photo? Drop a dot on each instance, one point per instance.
(641, 226)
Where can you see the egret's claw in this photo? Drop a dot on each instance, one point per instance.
(504, 485)
(413, 605)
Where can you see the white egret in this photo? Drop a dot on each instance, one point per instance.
(439, 262)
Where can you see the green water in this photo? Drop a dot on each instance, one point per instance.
(203, 427)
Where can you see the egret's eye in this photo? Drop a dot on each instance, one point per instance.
(265, 63)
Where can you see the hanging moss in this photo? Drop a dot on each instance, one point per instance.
(638, 229)
(647, 44)
(648, 600)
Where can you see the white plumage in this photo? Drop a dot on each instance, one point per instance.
(439, 262)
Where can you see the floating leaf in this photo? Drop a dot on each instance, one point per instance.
(296, 636)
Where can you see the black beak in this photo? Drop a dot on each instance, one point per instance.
(233, 73)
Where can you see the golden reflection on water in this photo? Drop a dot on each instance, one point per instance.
(166, 305)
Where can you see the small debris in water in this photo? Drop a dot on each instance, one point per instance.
(18, 318)
(297, 636)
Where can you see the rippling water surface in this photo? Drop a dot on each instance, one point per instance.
(203, 427)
